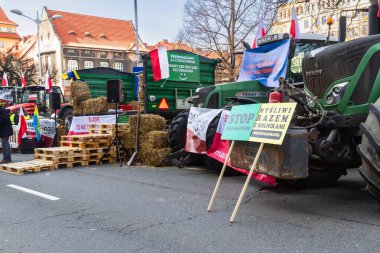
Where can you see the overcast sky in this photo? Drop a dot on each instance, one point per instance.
(158, 19)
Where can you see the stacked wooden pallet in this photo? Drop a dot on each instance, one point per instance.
(92, 146)
(62, 157)
(122, 129)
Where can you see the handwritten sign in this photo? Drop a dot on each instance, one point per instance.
(240, 122)
(272, 123)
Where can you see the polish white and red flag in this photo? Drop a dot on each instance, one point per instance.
(259, 33)
(4, 81)
(23, 83)
(294, 28)
(219, 150)
(48, 82)
(22, 127)
(160, 63)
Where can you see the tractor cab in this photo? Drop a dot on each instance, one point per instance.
(10, 95)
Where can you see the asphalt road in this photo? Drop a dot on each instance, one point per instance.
(137, 209)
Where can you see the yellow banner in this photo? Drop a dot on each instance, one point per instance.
(272, 123)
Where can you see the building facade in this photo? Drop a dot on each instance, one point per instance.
(8, 33)
(312, 17)
(78, 41)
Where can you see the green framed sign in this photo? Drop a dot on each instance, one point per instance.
(183, 67)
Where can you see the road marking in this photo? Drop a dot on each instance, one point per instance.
(40, 194)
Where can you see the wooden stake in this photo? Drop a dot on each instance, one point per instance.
(246, 183)
(220, 177)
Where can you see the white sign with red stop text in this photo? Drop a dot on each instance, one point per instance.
(80, 125)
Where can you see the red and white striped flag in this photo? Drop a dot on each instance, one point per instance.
(21, 126)
(23, 83)
(294, 28)
(160, 63)
(260, 33)
(48, 82)
(4, 81)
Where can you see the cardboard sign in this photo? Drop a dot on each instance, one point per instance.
(183, 67)
(240, 122)
(272, 123)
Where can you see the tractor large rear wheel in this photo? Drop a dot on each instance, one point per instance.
(210, 162)
(369, 150)
(177, 131)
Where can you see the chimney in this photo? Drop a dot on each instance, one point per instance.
(24, 39)
(165, 41)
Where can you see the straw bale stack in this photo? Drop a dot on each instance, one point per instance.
(154, 157)
(92, 106)
(79, 92)
(148, 123)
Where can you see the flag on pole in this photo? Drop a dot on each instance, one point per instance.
(160, 63)
(21, 126)
(36, 123)
(294, 28)
(4, 81)
(378, 9)
(48, 82)
(260, 33)
(23, 83)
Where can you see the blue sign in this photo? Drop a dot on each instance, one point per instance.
(266, 63)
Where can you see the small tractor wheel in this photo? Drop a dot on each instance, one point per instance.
(369, 150)
(67, 117)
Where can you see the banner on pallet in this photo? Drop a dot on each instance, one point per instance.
(80, 125)
(47, 131)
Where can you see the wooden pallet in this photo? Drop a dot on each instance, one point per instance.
(58, 151)
(87, 137)
(70, 164)
(61, 159)
(104, 161)
(19, 168)
(81, 144)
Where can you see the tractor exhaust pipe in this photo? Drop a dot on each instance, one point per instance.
(342, 28)
(373, 21)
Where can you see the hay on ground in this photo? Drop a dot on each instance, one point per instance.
(148, 122)
(92, 106)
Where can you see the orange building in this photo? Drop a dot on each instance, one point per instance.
(8, 34)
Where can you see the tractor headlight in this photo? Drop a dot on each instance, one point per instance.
(336, 93)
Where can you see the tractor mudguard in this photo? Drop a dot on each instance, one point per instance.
(287, 161)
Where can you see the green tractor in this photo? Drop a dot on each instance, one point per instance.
(218, 96)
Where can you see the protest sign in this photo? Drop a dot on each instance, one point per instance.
(183, 67)
(80, 125)
(272, 123)
(197, 124)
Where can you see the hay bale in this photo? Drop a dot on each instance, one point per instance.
(154, 157)
(61, 131)
(154, 139)
(148, 123)
(92, 106)
(79, 92)
(129, 140)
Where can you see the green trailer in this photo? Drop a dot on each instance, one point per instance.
(96, 78)
(188, 72)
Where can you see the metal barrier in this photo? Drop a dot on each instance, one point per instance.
(13, 140)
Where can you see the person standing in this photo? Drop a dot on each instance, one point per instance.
(5, 131)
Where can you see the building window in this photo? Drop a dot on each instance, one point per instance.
(103, 54)
(119, 66)
(306, 23)
(88, 64)
(72, 65)
(42, 38)
(49, 62)
(104, 64)
(324, 20)
(9, 29)
(48, 35)
(87, 52)
(1, 44)
(301, 10)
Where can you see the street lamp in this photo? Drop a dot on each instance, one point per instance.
(38, 22)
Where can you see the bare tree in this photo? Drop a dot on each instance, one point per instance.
(222, 25)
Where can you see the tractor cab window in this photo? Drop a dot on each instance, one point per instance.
(302, 49)
(33, 96)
